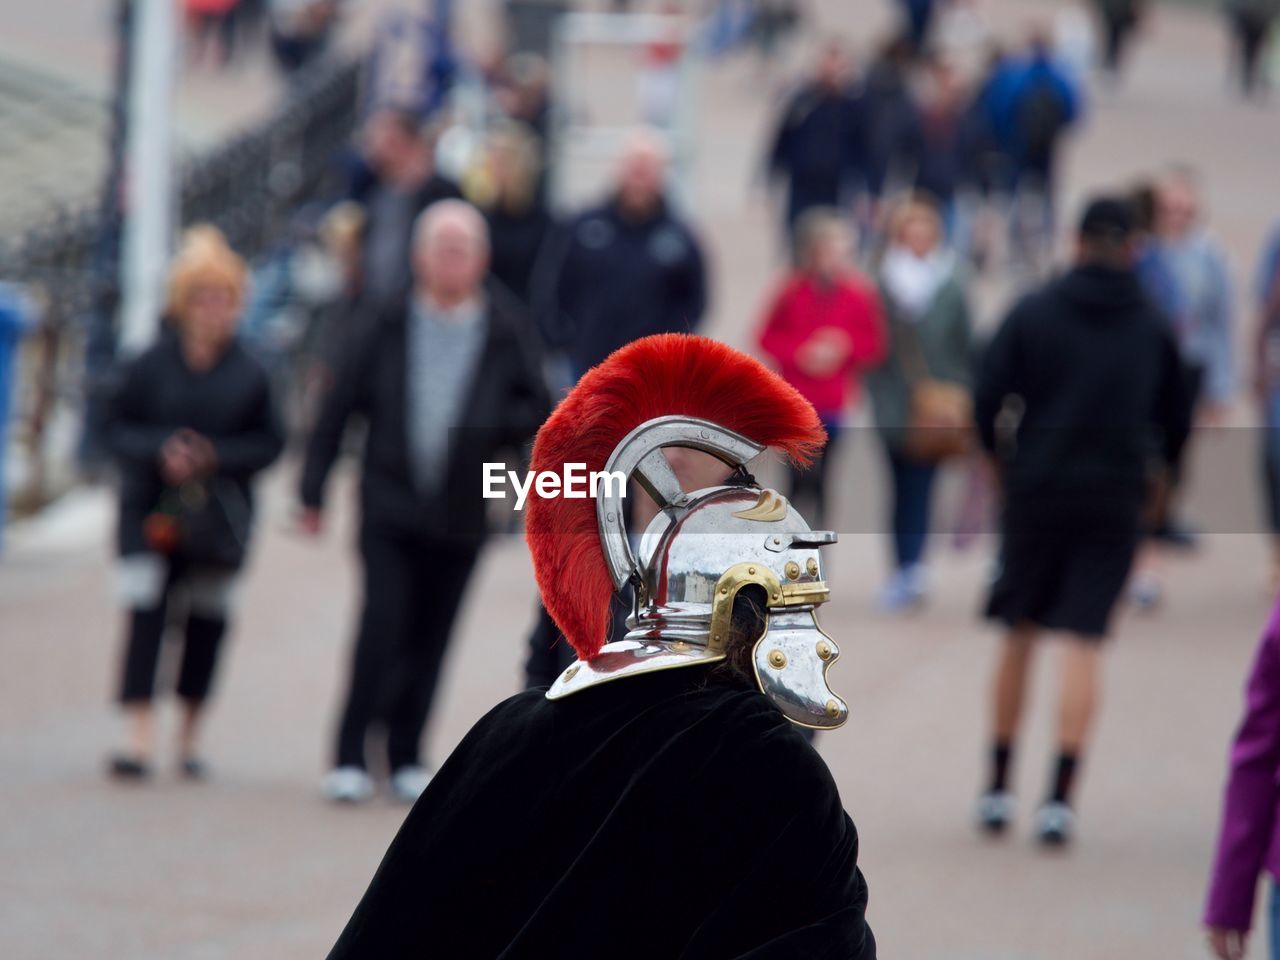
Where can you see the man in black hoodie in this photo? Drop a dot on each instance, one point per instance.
(1080, 404)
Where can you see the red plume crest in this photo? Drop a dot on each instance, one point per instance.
(663, 375)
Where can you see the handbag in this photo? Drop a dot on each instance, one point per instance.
(939, 412)
(206, 521)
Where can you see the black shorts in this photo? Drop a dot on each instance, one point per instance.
(1062, 577)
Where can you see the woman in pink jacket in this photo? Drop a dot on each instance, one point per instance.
(1249, 841)
(823, 326)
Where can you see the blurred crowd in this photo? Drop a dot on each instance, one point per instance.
(219, 32)
(441, 298)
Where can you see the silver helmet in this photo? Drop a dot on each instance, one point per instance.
(700, 550)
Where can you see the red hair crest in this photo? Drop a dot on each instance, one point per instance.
(663, 375)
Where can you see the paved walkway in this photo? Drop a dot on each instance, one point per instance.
(253, 865)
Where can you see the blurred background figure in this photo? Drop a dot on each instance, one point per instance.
(1041, 102)
(211, 30)
(1088, 370)
(300, 30)
(625, 269)
(944, 145)
(16, 318)
(888, 116)
(338, 262)
(989, 137)
(507, 189)
(395, 181)
(1250, 24)
(193, 423)
(818, 148)
(926, 306)
(918, 16)
(446, 380)
(1187, 273)
(1119, 21)
(774, 24)
(522, 91)
(1249, 833)
(1201, 308)
(822, 328)
(1266, 385)
(657, 83)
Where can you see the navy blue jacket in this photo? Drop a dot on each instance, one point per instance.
(609, 280)
(819, 147)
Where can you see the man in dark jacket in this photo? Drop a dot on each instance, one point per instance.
(624, 270)
(446, 382)
(395, 182)
(819, 145)
(1090, 373)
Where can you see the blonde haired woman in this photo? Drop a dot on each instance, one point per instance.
(192, 423)
(509, 191)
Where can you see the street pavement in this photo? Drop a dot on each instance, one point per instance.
(254, 865)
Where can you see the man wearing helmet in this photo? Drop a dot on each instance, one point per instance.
(658, 800)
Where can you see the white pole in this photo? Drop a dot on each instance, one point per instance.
(149, 186)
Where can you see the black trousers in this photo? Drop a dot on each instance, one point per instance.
(413, 589)
(203, 633)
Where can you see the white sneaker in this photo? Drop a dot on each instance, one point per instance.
(347, 785)
(407, 783)
(1055, 825)
(906, 590)
(1146, 591)
(995, 811)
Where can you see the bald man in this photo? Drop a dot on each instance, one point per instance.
(445, 382)
(625, 269)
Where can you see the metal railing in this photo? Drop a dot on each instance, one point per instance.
(249, 186)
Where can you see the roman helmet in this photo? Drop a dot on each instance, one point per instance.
(704, 546)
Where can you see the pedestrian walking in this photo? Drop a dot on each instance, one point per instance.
(192, 423)
(989, 135)
(917, 17)
(1266, 384)
(1088, 371)
(520, 223)
(446, 381)
(1200, 304)
(552, 794)
(944, 148)
(888, 118)
(823, 328)
(920, 393)
(1119, 20)
(1248, 838)
(1185, 271)
(819, 146)
(1043, 102)
(625, 269)
(1250, 23)
(16, 320)
(396, 181)
(211, 30)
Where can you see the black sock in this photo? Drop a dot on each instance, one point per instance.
(1063, 778)
(1001, 753)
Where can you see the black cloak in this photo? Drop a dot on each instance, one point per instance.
(667, 815)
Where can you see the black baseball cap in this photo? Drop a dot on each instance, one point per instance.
(1107, 218)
